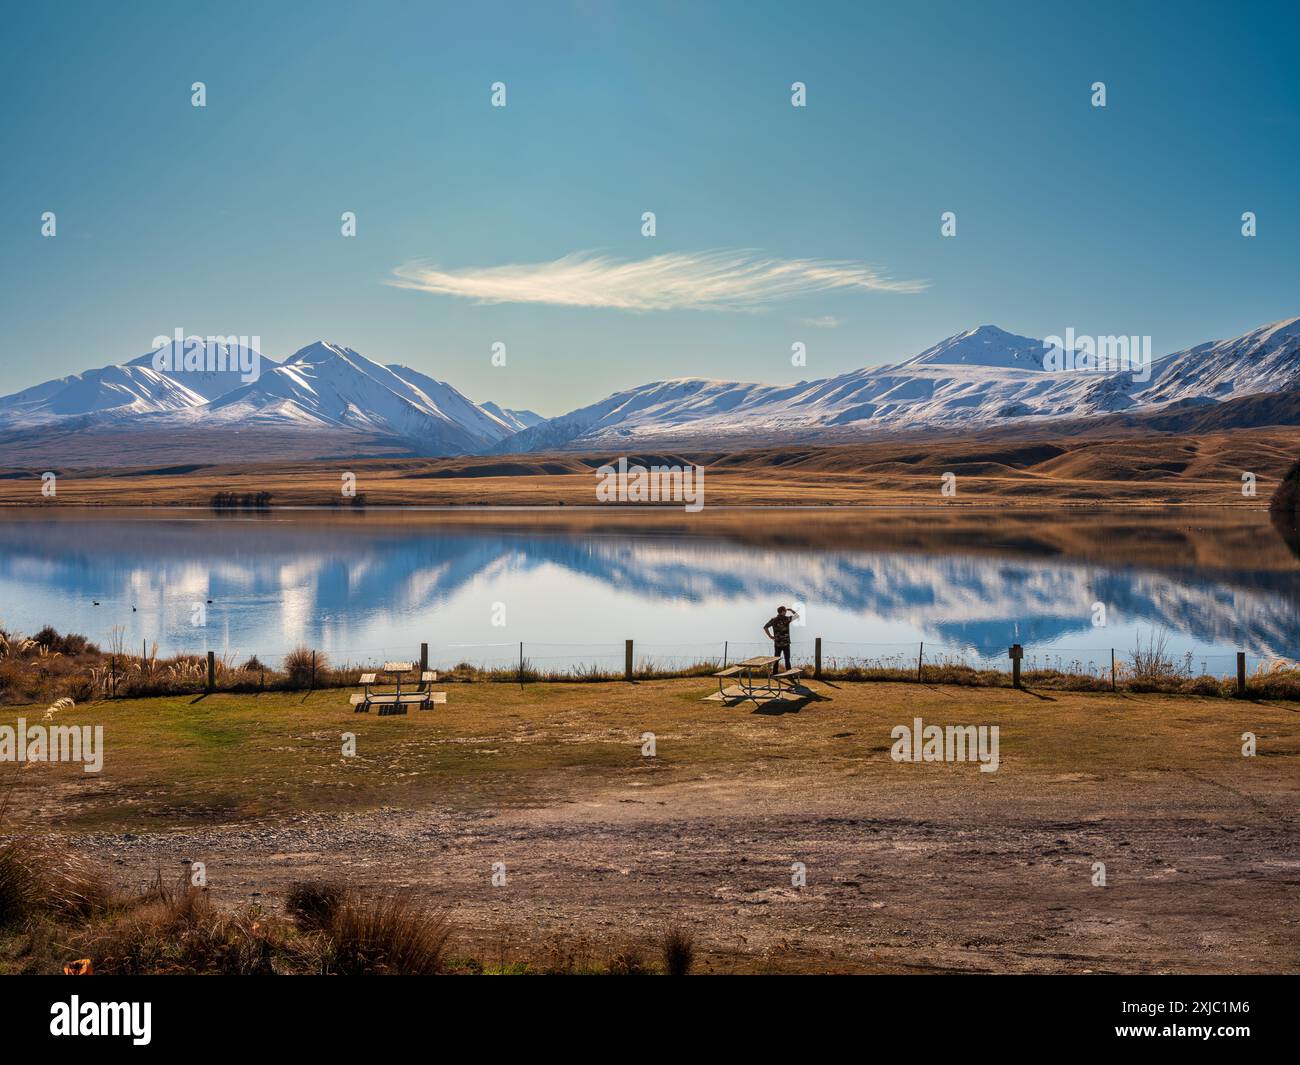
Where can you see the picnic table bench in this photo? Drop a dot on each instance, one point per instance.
(769, 684)
(397, 700)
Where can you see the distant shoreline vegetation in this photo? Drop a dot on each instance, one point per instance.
(236, 501)
(49, 666)
(1284, 509)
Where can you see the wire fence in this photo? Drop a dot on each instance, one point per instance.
(140, 670)
(833, 656)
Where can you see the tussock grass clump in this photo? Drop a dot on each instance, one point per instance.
(1278, 680)
(45, 667)
(177, 929)
(567, 957)
(64, 912)
(303, 666)
(313, 904)
(387, 937)
(629, 961)
(677, 950)
(1206, 685)
(22, 875)
(37, 880)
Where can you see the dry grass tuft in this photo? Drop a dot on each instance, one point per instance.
(177, 929)
(629, 961)
(388, 937)
(38, 880)
(313, 904)
(303, 665)
(678, 950)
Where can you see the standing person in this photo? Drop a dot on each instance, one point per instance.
(778, 631)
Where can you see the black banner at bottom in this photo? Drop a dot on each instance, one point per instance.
(149, 1014)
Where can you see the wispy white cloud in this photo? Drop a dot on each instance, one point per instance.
(825, 321)
(714, 280)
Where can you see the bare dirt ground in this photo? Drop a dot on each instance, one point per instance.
(927, 867)
(945, 888)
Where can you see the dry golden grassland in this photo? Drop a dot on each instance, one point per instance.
(1136, 470)
(910, 867)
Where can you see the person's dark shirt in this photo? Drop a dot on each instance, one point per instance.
(780, 626)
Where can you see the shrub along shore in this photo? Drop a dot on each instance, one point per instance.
(48, 666)
(59, 913)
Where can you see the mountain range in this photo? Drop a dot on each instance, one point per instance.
(975, 380)
(322, 387)
(979, 379)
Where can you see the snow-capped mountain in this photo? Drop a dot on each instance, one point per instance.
(119, 391)
(322, 386)
(974, 380)
(133, 389)
(1266, 359)
(209, 384)
(981, 378)
(330, 386)
(487, 419)
(518, 419)
(985, 346)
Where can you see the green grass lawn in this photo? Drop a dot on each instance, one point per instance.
(188, 760)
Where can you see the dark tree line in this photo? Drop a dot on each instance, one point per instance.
(246, 501)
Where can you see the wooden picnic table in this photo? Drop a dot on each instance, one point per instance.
(770, 684)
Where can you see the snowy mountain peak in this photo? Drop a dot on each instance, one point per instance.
(324, 351)
(978, 378)
(1280, 331)
(985, 345)
(516, 419)
(324, 385)
(1265, 359)
(975, 379)
(210, 369)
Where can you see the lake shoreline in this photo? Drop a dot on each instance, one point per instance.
(566, 587)
(1211, 468)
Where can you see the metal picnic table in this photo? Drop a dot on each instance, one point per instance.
(770, 684)
(396, 701)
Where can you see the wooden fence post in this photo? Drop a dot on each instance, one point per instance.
(1015, 653)
(312, 686)
(212, 671)
(627, 660)
(919, 656)
(817, 658)
(424, 657)
(726, 649)
(1241, 674)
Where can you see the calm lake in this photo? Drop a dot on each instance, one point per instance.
(572, 584)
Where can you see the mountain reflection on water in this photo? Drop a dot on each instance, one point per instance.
(571, 586)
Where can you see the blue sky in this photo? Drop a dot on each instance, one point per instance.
(226, 219)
